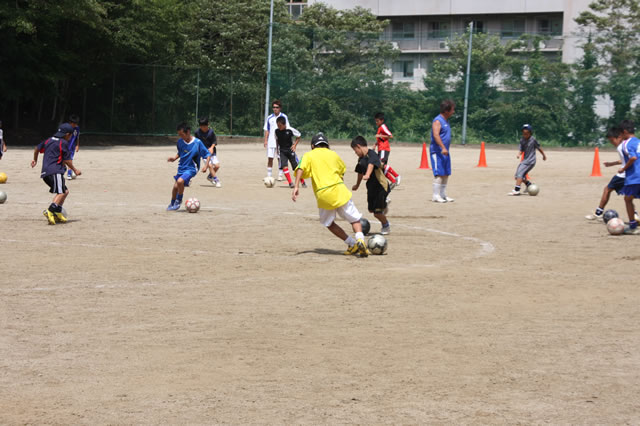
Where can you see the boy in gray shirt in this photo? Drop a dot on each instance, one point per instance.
(528, 146)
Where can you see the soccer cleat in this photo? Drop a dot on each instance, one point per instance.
(218, 184)
(50, 216)
(280, 177)
(593, 216)
(304, 185)
(631, 231)
(174, 206)
(438, 199)
(291, 185)
(398, 179)
(386, 230)
(352, 250)
(60, 217)
(211, 179)
(392, 185)
(362, 248)
(636, 217)
(448, 199)
(514, 193)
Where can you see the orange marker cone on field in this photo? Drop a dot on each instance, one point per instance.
(424, 161)
(595, 170)
(483, 159)
(521, 160)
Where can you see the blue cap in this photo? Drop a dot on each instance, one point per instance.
(527, 127)
(63, 130)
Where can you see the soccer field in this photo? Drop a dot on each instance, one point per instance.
(491, 309)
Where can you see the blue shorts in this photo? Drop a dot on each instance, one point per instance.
(186, 177)
(616, 183)
(632, 190)
(441, 164)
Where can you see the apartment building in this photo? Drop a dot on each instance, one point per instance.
(421, 28)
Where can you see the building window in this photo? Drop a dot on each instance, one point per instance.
(552, 27)
(403, 31)
(512, 28)
(439, 30)
(478, 26)
(296, 7)
(403, 69)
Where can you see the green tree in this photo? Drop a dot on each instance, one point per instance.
(583, 121)
(616, 28)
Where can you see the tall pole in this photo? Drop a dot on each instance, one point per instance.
(466, 87)
(266, 96)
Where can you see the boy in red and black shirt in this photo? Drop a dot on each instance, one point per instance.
(383, 135)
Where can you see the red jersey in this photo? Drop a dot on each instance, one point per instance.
(383, 144)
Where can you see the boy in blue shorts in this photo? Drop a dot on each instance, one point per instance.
(528, 146)
(371, 170)
(439, 148)
(617, 181)
(74, 142)
(326, 169)
(56, 157)
(190, 151)
(631, 188)
(210, 141)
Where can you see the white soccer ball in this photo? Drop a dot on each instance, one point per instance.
(269, 181)
(192, 205)
(533, 189)
(3, 197)
(377, 244)
(615, 226)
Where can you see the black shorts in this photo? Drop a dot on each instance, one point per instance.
(55, 183)
(384, 156)
(290, 156)
(616, 183)
(376, 197)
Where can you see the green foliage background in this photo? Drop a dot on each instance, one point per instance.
(141, 66)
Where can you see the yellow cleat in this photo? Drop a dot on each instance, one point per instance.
(60, 217)
(353, 250)
(50, 216)
(362, 248)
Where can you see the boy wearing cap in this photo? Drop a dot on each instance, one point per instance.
(190, 151)
(528, 146)
(56, 157)
(326, 169)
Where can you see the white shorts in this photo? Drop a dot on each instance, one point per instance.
(271, 151)
(348, 212)
(214, 160)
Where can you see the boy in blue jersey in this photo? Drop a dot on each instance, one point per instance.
(631, 169)
(527, 152)
(190, 151)
(56, 157)
(74, 142)
(439, 148)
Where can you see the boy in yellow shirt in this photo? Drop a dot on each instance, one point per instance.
(325, 168)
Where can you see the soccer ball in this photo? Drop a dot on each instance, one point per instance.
(269, 181)
(615, 226)
(3, 197)
(192, 205)
(366, 226)
(608, 215)
(533, 189)
(3, 177)
(377, 244)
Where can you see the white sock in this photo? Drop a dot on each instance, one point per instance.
(269, 171)
(443, 188)
(350, 241)
(359, 236)
(436, 189)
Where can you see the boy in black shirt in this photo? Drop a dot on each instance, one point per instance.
(370, 168)
(210, 141)
(287, 148)
(56, 157)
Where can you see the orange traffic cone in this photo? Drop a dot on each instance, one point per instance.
(595, 170)
(424, 161)
(527, 177)
(483, 159)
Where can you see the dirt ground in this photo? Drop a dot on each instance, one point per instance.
(488, 310)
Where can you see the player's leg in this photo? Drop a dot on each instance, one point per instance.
(57, 187)
(215, 166)
(521, 172)
(633, 224)
(377, 204)
(294, 165)
(438, 171)
(384, 159)
(446, 172)
(350, 213)
(285, 159)
(280, 165)
(271, 151)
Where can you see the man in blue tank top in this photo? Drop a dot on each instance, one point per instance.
(439, 149)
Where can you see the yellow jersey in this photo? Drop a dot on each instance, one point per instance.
(325, 168)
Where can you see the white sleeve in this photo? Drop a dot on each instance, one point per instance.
(295, 132)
